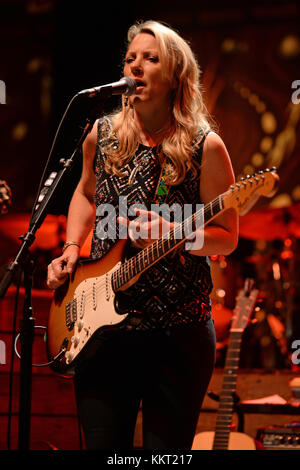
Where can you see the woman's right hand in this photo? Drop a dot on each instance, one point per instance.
(61, 267)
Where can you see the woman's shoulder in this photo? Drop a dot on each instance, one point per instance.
(214, 144)
(99, 133)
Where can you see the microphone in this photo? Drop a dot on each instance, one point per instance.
(124, 86)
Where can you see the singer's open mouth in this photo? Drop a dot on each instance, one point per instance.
(139, 83)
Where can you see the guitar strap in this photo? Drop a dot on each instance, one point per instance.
(162, 189)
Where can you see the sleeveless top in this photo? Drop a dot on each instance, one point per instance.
(175, 290)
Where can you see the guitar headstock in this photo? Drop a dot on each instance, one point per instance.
(245, 303)
(243, 195)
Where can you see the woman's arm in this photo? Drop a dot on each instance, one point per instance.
(81, 216)
(221, 235)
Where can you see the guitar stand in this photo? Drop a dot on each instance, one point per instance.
(24, 262)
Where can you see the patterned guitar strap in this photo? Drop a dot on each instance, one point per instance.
(161, 194)
(162, 190)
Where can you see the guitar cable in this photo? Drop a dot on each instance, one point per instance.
(56, 358)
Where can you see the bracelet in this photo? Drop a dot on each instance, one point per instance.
(69, 244)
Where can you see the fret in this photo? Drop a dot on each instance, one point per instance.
(187, 225)
(232, 363)
(144, 255)
(126, 273)
(150, 253)
(220, 200)
(227, 386)
(230, 371)
(222, 438)
(132, 266)
(233, 341)
(229, 380)
(157, 250)
(221, 443)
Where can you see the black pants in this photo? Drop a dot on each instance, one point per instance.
(169, 371)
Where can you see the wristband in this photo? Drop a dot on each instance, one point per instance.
(69, 244)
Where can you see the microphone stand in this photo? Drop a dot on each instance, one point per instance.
(25, 263)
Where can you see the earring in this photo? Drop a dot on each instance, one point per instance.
(126, 101)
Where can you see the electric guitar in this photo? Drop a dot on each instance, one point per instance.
(222, 438)
(84, 307)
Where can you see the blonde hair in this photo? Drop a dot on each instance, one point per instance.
(189, 114)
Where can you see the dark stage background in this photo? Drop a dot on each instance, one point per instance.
(249, 56)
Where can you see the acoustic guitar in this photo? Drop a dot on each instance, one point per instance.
(85, 306)
(222, 438)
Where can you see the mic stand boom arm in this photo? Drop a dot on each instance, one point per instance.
(24, 262)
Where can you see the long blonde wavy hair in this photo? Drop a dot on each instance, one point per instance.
(189, 114)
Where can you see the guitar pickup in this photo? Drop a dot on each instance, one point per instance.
(94, 292)
(71, 314)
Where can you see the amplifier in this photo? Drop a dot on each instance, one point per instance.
(280, 437)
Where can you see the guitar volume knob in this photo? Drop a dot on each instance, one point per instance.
(75, 341)
(69, 357)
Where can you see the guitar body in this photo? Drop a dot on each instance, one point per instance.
(237, 441)
(82, 309)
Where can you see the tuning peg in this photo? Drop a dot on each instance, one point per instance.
(273, 168)
(242, 179)
(267, 170)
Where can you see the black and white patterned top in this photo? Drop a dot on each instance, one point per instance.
(175, 290)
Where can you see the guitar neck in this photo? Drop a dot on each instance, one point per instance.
(226, 404)
(166, 244)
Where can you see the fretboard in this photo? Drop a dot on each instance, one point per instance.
(226, 404)
(164, 245)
